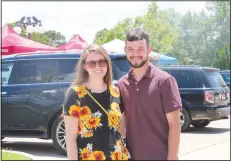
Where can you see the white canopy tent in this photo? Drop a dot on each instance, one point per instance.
(115, 45)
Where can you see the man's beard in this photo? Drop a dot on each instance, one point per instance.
(138, 65)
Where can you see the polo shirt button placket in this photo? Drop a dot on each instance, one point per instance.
(137, 87)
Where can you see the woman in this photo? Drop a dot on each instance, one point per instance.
(91, 110)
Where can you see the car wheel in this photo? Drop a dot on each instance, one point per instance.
(185, 120)
(201, 124)
(58, 135)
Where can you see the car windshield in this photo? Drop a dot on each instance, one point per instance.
(226, 77)
(215, 79)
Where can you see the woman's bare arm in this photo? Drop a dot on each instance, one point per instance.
(123, 126)
(71, 125)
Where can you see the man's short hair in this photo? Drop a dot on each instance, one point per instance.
(137, 34)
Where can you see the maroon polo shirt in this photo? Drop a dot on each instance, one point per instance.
(145, 104)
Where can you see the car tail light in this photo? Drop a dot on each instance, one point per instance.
(228, 95)
(209, 96)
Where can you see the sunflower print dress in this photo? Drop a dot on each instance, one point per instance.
(98, 136)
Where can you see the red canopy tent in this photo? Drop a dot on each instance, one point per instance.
(14, 43)
(76, 42)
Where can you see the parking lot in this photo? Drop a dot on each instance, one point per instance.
(211, 143)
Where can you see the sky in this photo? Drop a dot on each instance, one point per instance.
(86, 18)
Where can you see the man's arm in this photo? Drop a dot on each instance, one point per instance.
(123, 125)
(172, 105)
(174, 134)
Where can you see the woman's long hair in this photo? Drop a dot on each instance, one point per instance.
(81, 75)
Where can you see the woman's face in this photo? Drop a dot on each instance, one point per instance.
(96, 65)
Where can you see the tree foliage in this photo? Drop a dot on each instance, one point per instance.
(222, 58)
(193, 38)
(162, 35)
(55, 37)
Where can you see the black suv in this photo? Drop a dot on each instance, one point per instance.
(205, 96)
(33, 87)
(226, 76)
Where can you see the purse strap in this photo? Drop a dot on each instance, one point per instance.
(100, 105)
(122, 141)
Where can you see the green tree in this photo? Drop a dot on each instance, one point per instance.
(203, 34)
(222, 58)
(103, 36)
(12, 24)
(55, 37)
(178, 51)
(219, 25)
(41, 38)
(117, 32)
(162, 35)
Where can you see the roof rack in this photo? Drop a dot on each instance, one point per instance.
(175, 65)
(46, 52)
(225, 71)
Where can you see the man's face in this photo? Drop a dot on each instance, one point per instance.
(137, 52)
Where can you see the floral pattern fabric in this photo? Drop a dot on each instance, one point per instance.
(98, 135)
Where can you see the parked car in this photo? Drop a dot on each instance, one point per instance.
(33, 87)
(205, 96)
(226, 76)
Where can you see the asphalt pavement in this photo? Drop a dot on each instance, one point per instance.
(210, 143)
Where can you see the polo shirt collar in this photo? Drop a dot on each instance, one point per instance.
(148, 73)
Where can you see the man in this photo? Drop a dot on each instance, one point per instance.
(151, 103)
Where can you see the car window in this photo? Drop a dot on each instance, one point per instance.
(66, 70)
(226, 77)
(215, 79)
(166, 70)
(35, 71)
(6, 71)
(185, 79)
(120, 67)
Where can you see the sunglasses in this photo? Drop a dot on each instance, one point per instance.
(92, 63)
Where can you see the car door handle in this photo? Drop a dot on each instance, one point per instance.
(3, 93)
(49, 91)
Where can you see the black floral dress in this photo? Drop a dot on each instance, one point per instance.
(98, 136)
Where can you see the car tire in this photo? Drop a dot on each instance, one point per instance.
(58, 135)
(202, 124)
(185, 120)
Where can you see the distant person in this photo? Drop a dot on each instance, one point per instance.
(91, 110)
(38, 76)
(151, 103)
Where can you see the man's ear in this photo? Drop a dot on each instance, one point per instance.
(125, 49)
(149, 49)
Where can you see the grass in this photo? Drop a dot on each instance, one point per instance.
(13, 156)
